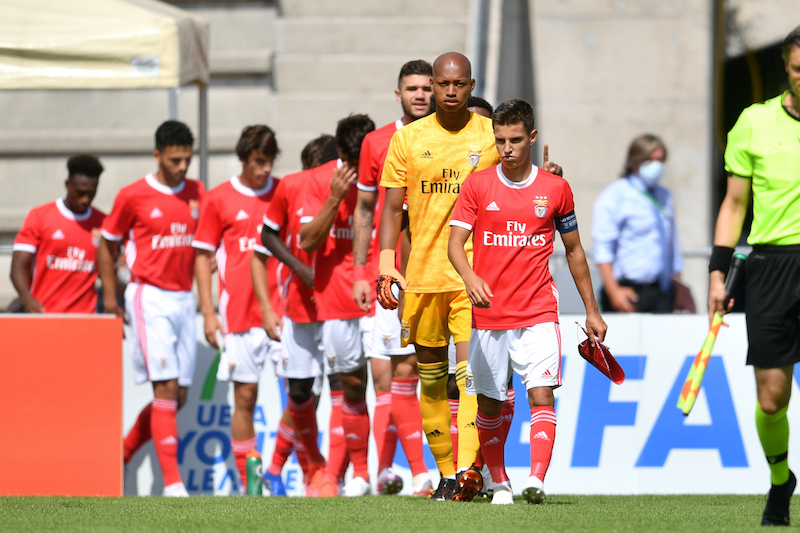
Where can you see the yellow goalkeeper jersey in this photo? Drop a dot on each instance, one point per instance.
(432, 163)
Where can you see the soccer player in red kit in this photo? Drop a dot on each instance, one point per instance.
(512, 211)
(54, 264)
(229, 218)
(270, 278)
(301, 332)
(157, 216)
(326, 230)
(394, 368)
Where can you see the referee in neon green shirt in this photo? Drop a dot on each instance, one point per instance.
(763, 154)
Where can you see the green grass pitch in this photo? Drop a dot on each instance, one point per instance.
(383, 514)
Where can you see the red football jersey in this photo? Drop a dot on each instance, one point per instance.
(229, 217)
(333, 260)
(158, 223)
(370, 167)
(65, 266)
(283, 216)
(512, 231)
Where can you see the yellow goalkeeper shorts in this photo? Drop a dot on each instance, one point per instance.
(430, 319)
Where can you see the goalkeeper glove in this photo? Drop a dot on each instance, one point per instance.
(388, 275)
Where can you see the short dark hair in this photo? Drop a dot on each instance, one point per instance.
(173, 133)
(793, 39)
(514, 111)
(417, 66)
(318, 151)
(350, 132)
(477, 101)
(259, 138)
(85, 164)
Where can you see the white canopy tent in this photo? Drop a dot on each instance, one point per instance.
(106, 44)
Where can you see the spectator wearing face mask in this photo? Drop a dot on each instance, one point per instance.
(636, 245)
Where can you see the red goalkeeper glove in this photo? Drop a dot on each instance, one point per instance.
(388, 275)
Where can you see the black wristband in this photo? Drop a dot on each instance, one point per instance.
(720, 259)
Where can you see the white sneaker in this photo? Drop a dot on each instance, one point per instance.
(503, 495)
(358, 486)
(533, 491)
(389, 482)
(422, 484)
(176, 490)
(488, 484)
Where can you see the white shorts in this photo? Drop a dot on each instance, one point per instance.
(243, 359)
(302, 356)
(533, 352)
(451, 357)
(346, 342)
(275, 354)
(386, 334)
(163, 325)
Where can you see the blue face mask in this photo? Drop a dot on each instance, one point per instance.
(651, 172)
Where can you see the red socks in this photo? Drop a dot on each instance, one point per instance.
(408, 420)
(543, 434)
(164, 428)
(240, 450)
(507, 412)
(355, 420)
(491, 436)
(283, 449)
(338, 458)
(384, 430)
(304, 418)
(454, 429)
(139, 433)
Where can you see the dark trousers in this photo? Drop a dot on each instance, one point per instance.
(651, 298)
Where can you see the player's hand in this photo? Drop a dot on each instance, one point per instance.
(388, 274)
(271, 323)
(362, 294)
(596, 327)
(623, 299)
(211, 325)
(548, 165)
(111, 306)
(32, 305)
(342, 179)
(478, 292)
(717, 295)
(306, 274)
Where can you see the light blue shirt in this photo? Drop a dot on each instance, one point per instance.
(636, 233)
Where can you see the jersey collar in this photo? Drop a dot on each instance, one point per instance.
(527, 182)
(68, 213)
(237, 184)
(160, 187)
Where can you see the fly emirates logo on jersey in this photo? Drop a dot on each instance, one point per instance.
(449, 184)
(247, 244)
(178, 238)
(74, 261)
(514, 236)
(342, 232)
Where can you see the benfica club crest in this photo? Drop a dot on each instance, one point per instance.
(96, 235)
(194, 207)
(474, 159)
(540, 206)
